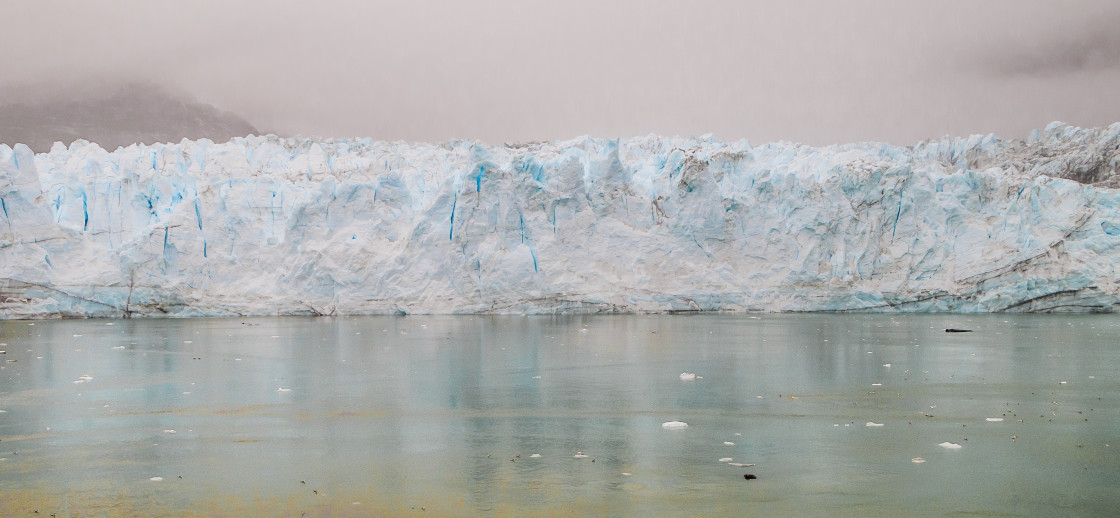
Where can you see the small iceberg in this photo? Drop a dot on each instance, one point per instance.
(728, 443)
(282, 389)
(156, 479)
(950, 445)
(688, 376)
(994, 419)
(579, 455)
(672, 425)
(917, 460)
(874, 425)
(535, 456)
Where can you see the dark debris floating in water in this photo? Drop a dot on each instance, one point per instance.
(955, 330)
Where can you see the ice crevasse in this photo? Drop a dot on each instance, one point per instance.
(269, 225)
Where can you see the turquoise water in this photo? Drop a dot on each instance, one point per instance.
(371, 415)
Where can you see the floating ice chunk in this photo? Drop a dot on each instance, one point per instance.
(950, 445)
(169, 431)
(626, 474)
(994, 419)
(579, 455)
(671, 425)
(282, 389)
(874, 425)
(876, 384)
(739, 464)
(535, 456)
(728, 443)
(886, 365)
(118, 348)
(688, 376)
(156, 479)
(917, 460)
(726, 459)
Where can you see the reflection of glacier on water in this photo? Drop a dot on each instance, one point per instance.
(481, 415)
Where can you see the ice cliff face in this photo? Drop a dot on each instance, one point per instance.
(264, 225)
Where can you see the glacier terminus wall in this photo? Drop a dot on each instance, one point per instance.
(269, 225)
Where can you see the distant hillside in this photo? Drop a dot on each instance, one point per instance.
(130, 114)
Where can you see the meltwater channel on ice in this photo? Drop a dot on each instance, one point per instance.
(269, 225)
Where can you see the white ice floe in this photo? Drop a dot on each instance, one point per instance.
(994, 419)
(728, 443)
(670, 425)
(156, 479)
(579, 455)
(535, 456)
(726, 459)
(688, 376)
(739, 464)
(282, 389)
(950, 445)
(917, 460)
(874, 425)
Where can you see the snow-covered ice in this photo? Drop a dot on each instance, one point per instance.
(269, 225)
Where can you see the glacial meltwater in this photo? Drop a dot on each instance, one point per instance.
(639, 415)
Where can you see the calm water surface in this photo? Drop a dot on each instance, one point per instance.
(442, 415)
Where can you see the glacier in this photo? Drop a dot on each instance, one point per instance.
(307, 226)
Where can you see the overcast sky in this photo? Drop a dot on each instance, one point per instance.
(817, 72)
